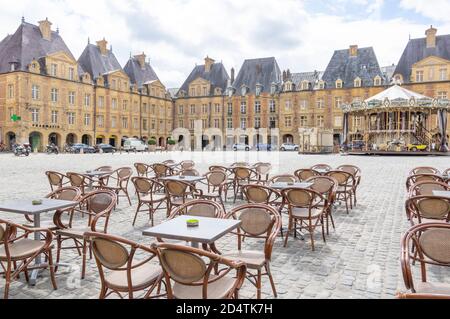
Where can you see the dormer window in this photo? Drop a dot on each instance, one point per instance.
(357, 82)
(305, 85)
(258, 89)
(288, 86)
(339, 84)
(218, 91)
(398, 79)
(273, 89)
(53, 69)
(321, 85)
(377, 81)
(243, 90)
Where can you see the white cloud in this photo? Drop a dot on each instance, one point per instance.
(177, 34)
(434, 9)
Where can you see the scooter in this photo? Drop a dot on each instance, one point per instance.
(52, 149)
(24, 149)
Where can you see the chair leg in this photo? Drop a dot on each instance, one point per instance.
(52, 269)
(272, 283)
(311, 235)
(287, 233)
(83, 266)
(135, 215)
(103, 292)
(8, 281)
(258, 285)
(58, 251)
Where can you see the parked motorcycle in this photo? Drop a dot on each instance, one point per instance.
(24, 149)
(52, 149)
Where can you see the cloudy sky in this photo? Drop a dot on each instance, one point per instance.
(177, 34)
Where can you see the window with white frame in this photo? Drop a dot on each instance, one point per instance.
(337, 102)
(229, 123)
(100, 120)
(443, 74)
(243, 123)
(217, 108)
(53, 69)
(216, 123)
(180, 123)
(257, 107)
(10, 91)
(35, 115)
(125, 122)
(144, 125)
(72, 98)
(205, 108)
(339, 84)
(54, 117)
(87, 119)
(54, 95)
(35, 92)
(87, 100)
(125, 105)
(114, 104)
(288, 121)
(257, 122)
(71, 74)
(303, 121)
(303, 104)
(181, 109)
(191, 124)
(288, 106)
(320, 103)
(192, 109)
(135, 123)
(338, 121)
(71, 118)
(153, 124)
(243, 107)
(442, 95)
(204, 123)
(272, 122)
(320, 121)
(357, 83)
(419, 76)
(272, 106)
(101, 101)
(230, 108)
(113, 122)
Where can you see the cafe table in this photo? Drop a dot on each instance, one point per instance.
(187, 179)
(284, 185)
(96, 174)
(208, 231)
(26, 207)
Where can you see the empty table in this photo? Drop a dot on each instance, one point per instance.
(187, 179)
(26, 207)
(442, 193)
(96, 174)
(281, 186)
(208, 231)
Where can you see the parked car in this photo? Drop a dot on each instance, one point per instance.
(265, 147)
(289, 147)
(357, 145)
(106, 148)
(417, 147)
(135, 145)
(241, 147)
(76, 148)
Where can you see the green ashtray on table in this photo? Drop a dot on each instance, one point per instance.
(193, 223)
(37, 202)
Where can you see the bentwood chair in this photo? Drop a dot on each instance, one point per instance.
(242, 176)
(261, 223)
(259, 194)
(327, 187)
(161, 170)
(414, 179)
(98, 206)
(306, 209)
(120, 179)
(179, 193)
(426, 244)
(216, 183)
(344, 191)
(285, 178)
(304, 174)
(424, 170)
(427, 188)
(189, 172)
(142, 169)
(149, 199)
(83, 182)
(104, 179)
(184, 165)
(125, 267)
(230, 177)
(324, 167)
(189, 273)
(56, 180)
(356, 173)
(428, 209)
(263, 172)
(17, 252)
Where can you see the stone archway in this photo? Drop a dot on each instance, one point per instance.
(71, 139)
(86, 139)
(288, 138)
(10, 139)
(162, 142)
(35, 140)
(54, 138)
(113, 141)
(100, 139)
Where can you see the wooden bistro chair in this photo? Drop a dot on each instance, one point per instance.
(148, 197)
(424, 170)
(142, 169)
(304, 174)
(305, 207)
(414, 179)
(242, 176)
(189, 273)
(230, 177)
(179, 193)
(426, 209)
(427, 188)
(184, 165)
(263, 171)
(260, 222)
(189, 172)
(327, 187)
(324, 167)
(125, 267)
(83, 182)
(120, 179)
(356, 173)
(17, 252)
(259, 194)
(216, 183)
(426, 244)
(98, 206)
(161, 170)
(56, 180)
(344, 191)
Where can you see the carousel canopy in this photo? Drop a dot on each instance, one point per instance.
(397, 97)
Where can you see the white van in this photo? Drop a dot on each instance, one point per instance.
(134, 145)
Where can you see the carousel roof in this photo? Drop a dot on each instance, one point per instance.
(397, 97)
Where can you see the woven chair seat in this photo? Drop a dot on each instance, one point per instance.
(141, 277)
(253, 259)
(153, 198)
(22, 249)
(434, 288)
(303, 213)
(74, 232)
(216, 290)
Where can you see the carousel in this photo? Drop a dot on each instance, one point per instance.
(396, 120)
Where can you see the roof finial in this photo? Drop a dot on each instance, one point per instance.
(89, 40)
(110, 48)
(57, 29)
(23, 18)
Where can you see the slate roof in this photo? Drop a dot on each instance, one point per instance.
(263, 71)
(173, 92)
(416, 50)
(217, 76)
(96, 64)
(139, 75)
(348, 68)
(388, 72)
(311, 77)
(27, 44)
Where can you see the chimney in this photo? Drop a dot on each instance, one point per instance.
(208, 64)
(141, 59)
(353, 50)
(102, 44)
(232, 76)
(46, 29)
(431, 37)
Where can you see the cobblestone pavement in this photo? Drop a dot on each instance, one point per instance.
(359, 260)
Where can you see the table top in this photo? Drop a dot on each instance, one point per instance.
(208, 231)
(442, 193)
(25, 206)
(286, 185)
(187, 179)
(97, 173)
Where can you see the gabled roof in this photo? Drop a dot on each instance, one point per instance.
(217, 76)
(27, 44)
(263, 71)
(417, 50)
(96, 64)
(140, 75)
(311, 77)
(347, 68)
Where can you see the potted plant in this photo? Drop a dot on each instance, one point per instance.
(170, 144)
(152, 145)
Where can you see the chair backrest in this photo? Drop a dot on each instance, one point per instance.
(100, 203)
(189, 172)
(141, 169)
(303, 198)
(161, 170)
(218, 168)
(344, 178)
(146, 186)
(430, 207)
(76, 179)
(240, 164)
(324, 185)
(352, 169)
(216, 178)
(176, 188)
(66, 193)
(243, 173)
(257, 221)
(263, 168)
(259, 194)
(427, 188)
(286, 178)
(105, 169)
(424, 170)
(124, 173)
(414, 179)
(185, 165)
(55, 179)
(199, 208)
(304, 174)
(192, 267)
(169, 162)
(325, 167)
(431, 243)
